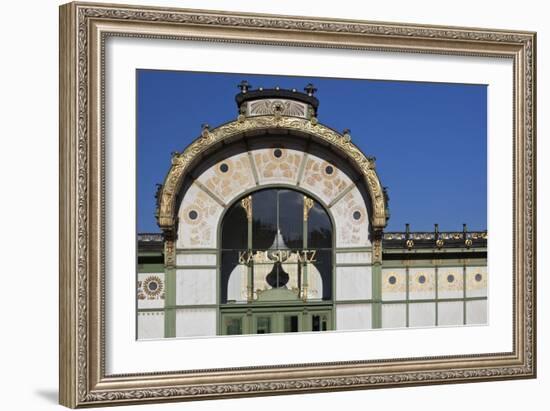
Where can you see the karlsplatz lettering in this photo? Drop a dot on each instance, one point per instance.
(303, 256)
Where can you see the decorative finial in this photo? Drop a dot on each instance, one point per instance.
(347, 134)
(205, 129)
(464, 228)
(244, 86)
(436, 228)
(310, 89)
(277, 88)
(158, 190)
(386, 195)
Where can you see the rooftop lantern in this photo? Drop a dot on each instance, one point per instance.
(276, 101)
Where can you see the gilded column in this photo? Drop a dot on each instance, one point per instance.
(377, 280)
(246, 203)
(170, 284)
(308, 204)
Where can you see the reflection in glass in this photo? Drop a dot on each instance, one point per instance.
(263, 325)
(291, 324)
(286, 245)
(233, 326)
(264, 218)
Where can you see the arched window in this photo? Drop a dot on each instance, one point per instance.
(276, 244)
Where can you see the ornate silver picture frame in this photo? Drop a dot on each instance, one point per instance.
(85, 28)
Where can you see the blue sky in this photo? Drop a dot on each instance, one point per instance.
(429, 139)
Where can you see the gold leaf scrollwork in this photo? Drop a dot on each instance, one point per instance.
(308, 205)
(181, 163)
(377, 251)
(246, 203)
(169, 252)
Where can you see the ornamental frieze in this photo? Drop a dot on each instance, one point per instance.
(182, 162)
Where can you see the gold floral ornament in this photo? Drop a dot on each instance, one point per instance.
(182, 163)
(393, 282)
(152, 286)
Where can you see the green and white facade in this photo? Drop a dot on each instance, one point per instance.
(275, 233)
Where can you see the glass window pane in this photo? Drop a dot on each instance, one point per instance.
(235, 228)
(291, 323)
(264, 212)
(315, 323)
(291, 217)
(319, 228)
(323, 263)
(263, 325)
(278, 210)
(233, 326)
(229, 261)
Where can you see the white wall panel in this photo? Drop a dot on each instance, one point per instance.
(351, 220)
(450, 282)
(421, 283)
(353, 316)
(421, 314)
(450, 313)
(394, 315)
(198, 215)
(476, 281)
(196, 259)
(360, 257)
(150, 325)
(195, 286)
(394, 286)
(195, 322)
(353, 283)
(147, 298)
(476, 312)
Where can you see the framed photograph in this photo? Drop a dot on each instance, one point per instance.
(226, 187)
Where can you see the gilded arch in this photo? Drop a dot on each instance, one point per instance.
(182, 163)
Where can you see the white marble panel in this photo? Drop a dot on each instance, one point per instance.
(394, 315)
(353, 316)
(421, 283)
(351, 221)
(150, 290)
(195, 286)
(450, 313)
(421, 315)
(394, 285)
(229, 178)
(196, 259)
(476, 312)
(450, 282)
(195, 322)
(359, 257)
(150, 325)
(476, 281)
(199, 215)
(353, 283)
(324, 179)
